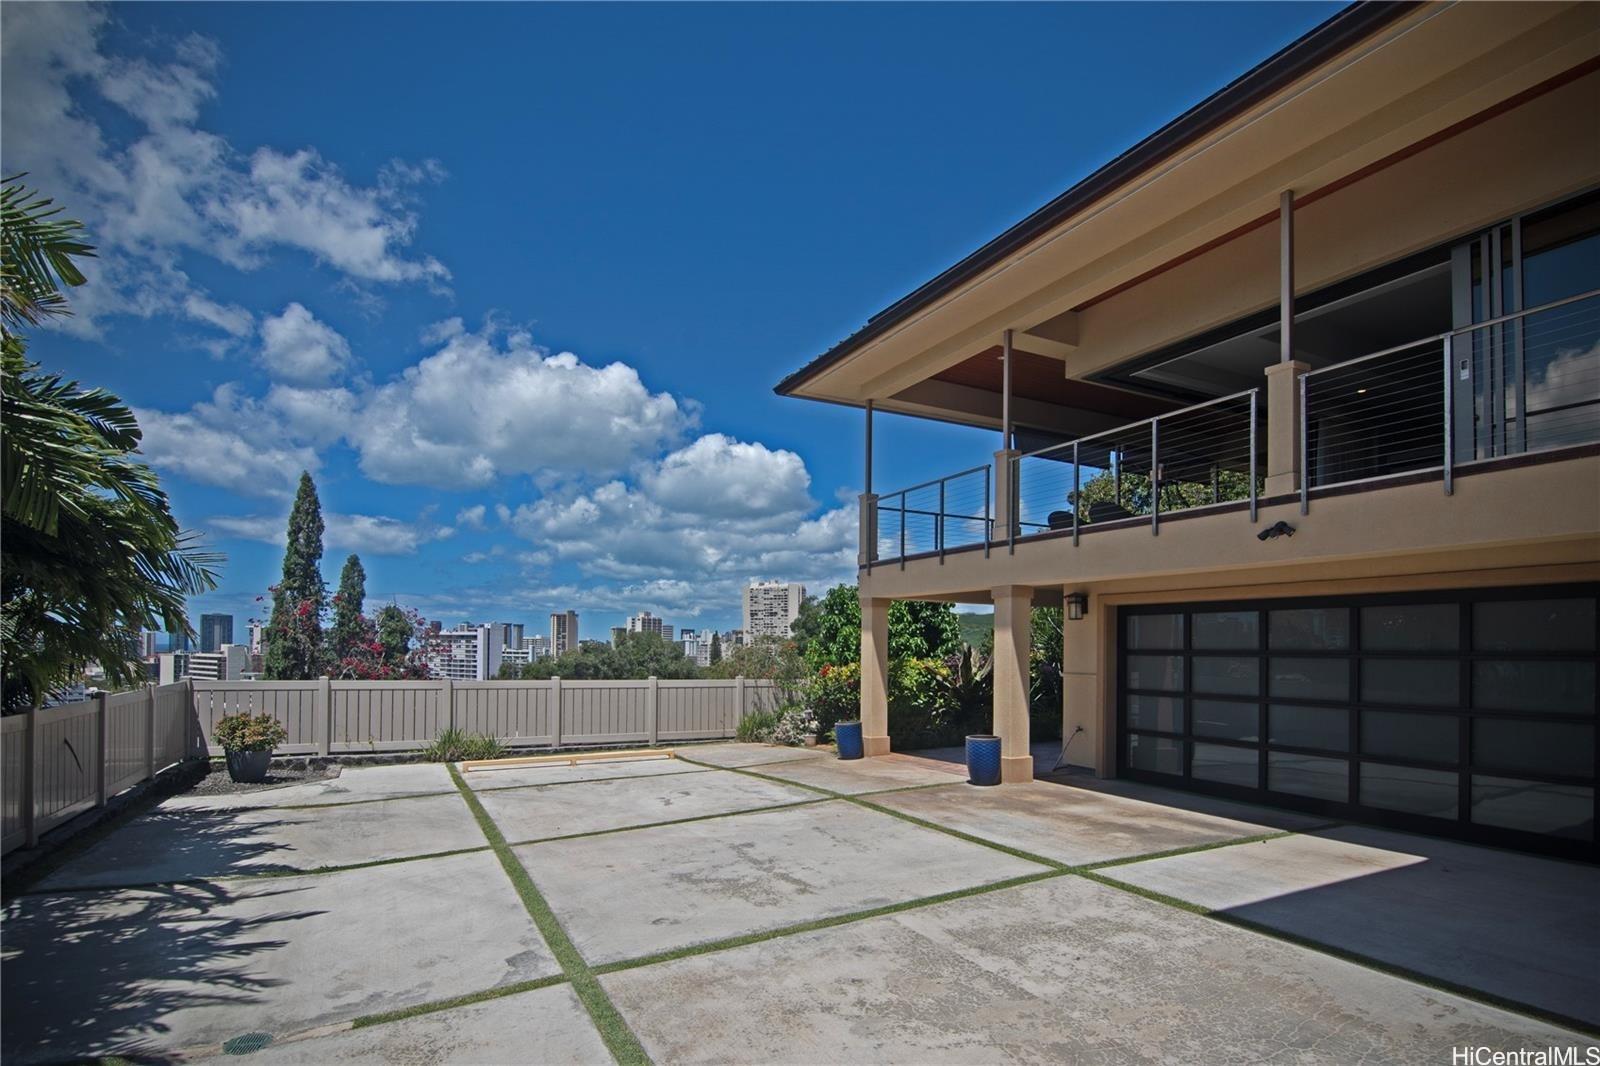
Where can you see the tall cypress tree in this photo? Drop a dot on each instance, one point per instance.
(348, 629)
(294, 649)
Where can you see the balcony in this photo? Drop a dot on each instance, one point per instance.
(1518, 386)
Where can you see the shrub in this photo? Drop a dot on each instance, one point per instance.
(756, 727)
(248, 732)
(834, 695)
(456, 745)
(794, 725)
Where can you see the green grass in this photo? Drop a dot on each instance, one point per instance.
(457, 1001)
(624, 1046)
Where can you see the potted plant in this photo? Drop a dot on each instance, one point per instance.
(247, 740)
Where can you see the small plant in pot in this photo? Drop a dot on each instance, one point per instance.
(247, 740)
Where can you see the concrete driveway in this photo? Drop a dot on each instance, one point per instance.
(753, 904)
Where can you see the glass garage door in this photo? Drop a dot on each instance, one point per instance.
(1462, 714)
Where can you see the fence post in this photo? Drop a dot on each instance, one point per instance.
(448, 695)
(30, 778)
(324, 715)
(191, 724)
(738, 704)
(102, 726)
(150, 731)
(655, 710)
(555, 712)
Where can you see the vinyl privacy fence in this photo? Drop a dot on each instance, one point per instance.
(343, 717)
(64, 760)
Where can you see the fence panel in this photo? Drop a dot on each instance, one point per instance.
(69, 754)
(761, 697)
(175, 709)
(386, 715)
(292, 703)
(605, 712)
(127, 732)
(698, 710)
(518, 712)
(13, 750)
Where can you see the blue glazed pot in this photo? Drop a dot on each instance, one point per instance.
(847, 735)
(983, 760)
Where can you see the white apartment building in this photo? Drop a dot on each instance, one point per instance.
(537, 647)
(147, 644)
(563, 632)
(227, 663)
(770, 608)
(258, 638)
(696, 645)
(645, 622)
(465, 653)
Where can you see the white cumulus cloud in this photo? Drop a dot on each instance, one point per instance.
(297, 347)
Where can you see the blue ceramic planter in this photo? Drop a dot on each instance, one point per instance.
(847, 735)
(983, 760)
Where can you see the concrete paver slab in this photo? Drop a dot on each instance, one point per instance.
(1046, 753)
(1513, 925)
(539, 813)
(354, 784)
(521, 776)
(547, 1025)
(175, 845)
(749, 754)
(1254, 813)
(1061, 971)
(634, 894)
(1068, 825)
(143, 972)
(854, 777)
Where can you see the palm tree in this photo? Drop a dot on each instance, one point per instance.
(89, 550)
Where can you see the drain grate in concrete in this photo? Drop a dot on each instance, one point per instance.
(244, 1045)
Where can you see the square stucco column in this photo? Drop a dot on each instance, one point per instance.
(1082, 691)
(875, 675)
(1004, 492)
(1013, 631)
(1283, 427)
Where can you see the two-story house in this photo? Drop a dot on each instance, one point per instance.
(1297, 412)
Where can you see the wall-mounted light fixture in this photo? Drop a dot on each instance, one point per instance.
(1077, 604)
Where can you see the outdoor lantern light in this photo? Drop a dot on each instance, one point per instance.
(1077, 603)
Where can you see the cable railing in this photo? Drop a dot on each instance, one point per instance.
(1199, 456)
(1523, 382)
(954, 511)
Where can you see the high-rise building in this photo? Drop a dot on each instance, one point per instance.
(563, 632)
(537, 647)
(227, 663)
(258, 637)
(215, 631)
(617, 633)
(509, 634)
(179, 642)
(465, 653)
(696, 645)
(147, 644)
(770, 608)
(645, 622)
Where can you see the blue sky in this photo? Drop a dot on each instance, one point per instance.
(515, 282)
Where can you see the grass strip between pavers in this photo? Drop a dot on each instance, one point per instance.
(826, 923)
(624, 1046)
(670, 822)
(457, 1001)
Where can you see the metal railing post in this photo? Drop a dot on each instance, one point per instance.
(1077, 491)
(938, 523)
(1155, 477)
(902, 531)
(1253, 393)
(1305, 450)
(1449, 419)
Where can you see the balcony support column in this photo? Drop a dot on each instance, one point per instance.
(1013, 634)
(874, 674)
(1005, 495)
(1283, 427)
